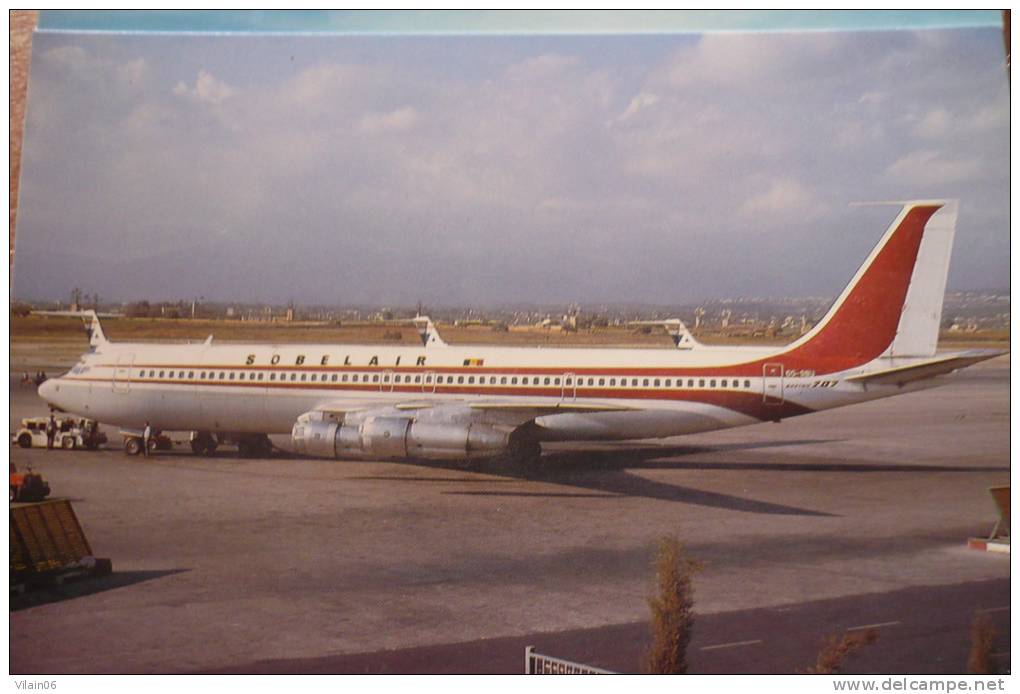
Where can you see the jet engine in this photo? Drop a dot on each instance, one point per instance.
(388, 435)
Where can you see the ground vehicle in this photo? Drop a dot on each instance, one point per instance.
(133, 441)
(27, 486)
(72, 433)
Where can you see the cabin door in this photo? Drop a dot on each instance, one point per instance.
(428, 383)
(569, 392)
(772, 383)
(122, 373)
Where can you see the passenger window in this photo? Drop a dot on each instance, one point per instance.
(524, 381)
(711, 383)
(690, 382)
(566, 382)
(612, 381)
(633, 381)
(645, 382)
(669, 382)
(272, 377)
(293, 377)
(655, 383)
(460, 379)
(191, 374)
(232, 375)
(513, 381)
(747, 384)
(502, 381)
(334, 378)
(344, 378)
(723, 384)
(223, 376)
(555, 381)
(375, 378)
(386, 379)
(701, 383)
(471, 379)
(240, 376)
(261, 375)
(417, 379)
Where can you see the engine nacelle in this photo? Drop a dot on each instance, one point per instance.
(315, 436)
(393, 437)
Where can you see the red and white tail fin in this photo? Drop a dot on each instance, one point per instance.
(893, 305)
(917, 334)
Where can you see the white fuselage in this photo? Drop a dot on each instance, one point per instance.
(264, 388)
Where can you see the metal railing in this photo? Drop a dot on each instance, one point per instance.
(539, 664)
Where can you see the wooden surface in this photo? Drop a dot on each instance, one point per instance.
(22, 24)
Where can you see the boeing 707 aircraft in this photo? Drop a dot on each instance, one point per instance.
(449, 402)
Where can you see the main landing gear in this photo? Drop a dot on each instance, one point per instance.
(254, 446)
(203, 443)
(248, 445)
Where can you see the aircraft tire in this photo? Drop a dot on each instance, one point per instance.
(132, 446)
(25, 440)
(68, 444)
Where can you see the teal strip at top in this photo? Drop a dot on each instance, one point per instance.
(423, 22)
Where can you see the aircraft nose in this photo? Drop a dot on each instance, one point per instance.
(48, 389)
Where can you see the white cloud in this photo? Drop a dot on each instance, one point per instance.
(785, 198)
(935, 124)
(753, 61)
(69, 57)
(388, 122)
(641, 101)
(927, 167)
(987, 118)
(133, 72)
(546, 66)
(206, 89)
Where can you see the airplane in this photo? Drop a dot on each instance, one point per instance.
(469, 402)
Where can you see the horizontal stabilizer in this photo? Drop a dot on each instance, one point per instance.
(918, 371)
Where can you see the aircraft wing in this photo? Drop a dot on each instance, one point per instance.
(509, 412)
(917, 371)
(542, 409)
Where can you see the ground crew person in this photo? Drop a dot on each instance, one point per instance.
(146, 437)
(51, 432)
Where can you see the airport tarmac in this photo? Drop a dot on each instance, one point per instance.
(852, 517)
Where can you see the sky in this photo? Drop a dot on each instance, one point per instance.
(472, 171)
